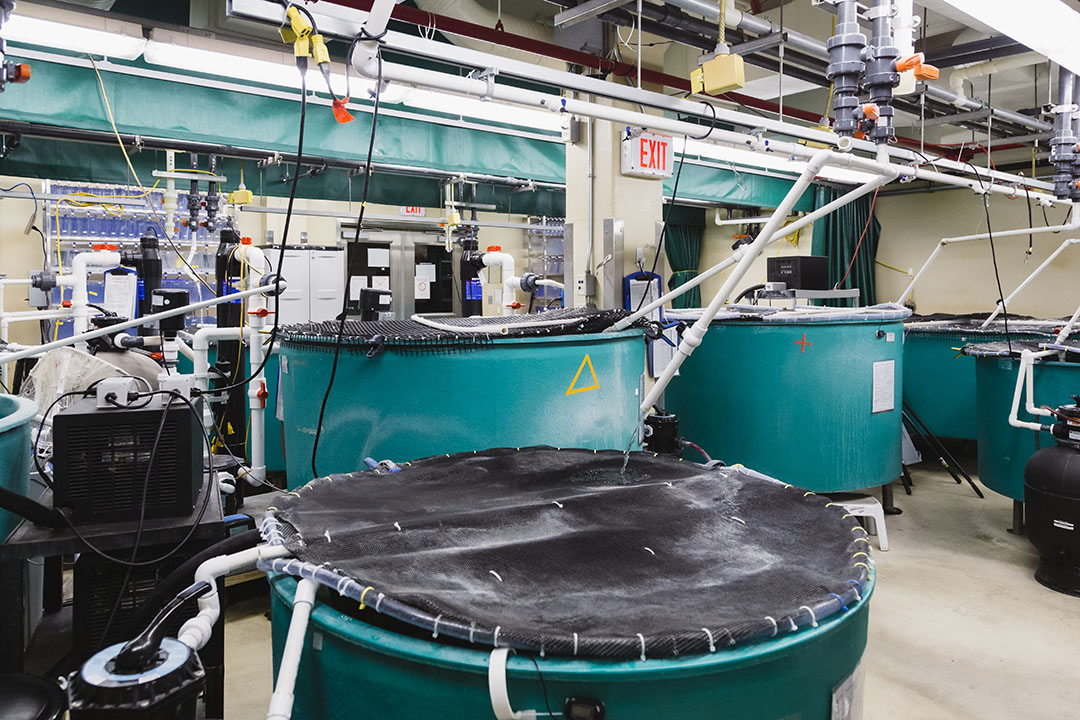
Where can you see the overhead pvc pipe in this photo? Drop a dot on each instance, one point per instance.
(960, 75)
(1027, 281)
(341, 24)
(886, 177)
(815, 47)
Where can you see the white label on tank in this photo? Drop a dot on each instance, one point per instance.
(884, 386)
(1064, 525)
(890, 337)
(847, 697)
(285, 364)
(316, 641)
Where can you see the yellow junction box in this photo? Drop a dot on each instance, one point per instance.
(720, 75)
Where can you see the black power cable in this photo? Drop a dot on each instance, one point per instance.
(663, 230)
(997, 275)
(348, 276)
(302, 65)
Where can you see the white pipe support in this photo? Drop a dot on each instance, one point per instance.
(1063, 335)
(888, 174)
(1027, 281)
(1024, 379)
(196, 632)
(200, 359)
(693, 335)
(281, 702)
(193, 307)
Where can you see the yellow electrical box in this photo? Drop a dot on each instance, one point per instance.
(242, 196)
(720, 75)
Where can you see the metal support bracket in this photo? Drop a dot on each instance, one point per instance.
(274, 159)
(956, 118)
(487, 74)
(765, 42)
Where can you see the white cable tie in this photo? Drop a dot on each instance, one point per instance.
(775, 627)
(813, 617)
(398, 526)
(327, 536)
(342, 584)
(642, 638)
(556, 503)
(378, 601)
(472, 630)
(435, 629)
(794, 627)
(712, 645)
(497, 575)
(738, 520)
(649, 549)
(575, 643)
(495, 637)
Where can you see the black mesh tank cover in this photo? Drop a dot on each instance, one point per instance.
(561, 552)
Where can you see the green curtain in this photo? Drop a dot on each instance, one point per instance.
(683, 246)
(837, 237)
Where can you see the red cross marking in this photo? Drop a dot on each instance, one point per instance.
(804, 343)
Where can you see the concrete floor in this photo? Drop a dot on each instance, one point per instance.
(959, 629)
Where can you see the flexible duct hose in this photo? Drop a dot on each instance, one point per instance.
(29, 509)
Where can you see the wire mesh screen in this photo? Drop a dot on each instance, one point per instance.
(447, 333)
(960, 328)
(569, 552)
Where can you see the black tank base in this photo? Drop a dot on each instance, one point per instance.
(1018, 518)
(887, 504)
(1063, 578)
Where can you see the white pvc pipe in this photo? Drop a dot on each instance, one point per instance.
(507, 279)
(1072, 226)
(202, 304)
(956, 80)
(488, 329)
(1024, 378)
(81, 266)
(1032, 276)
(1067, 330)
(544, 282)
(693, 335)
(281, 702)
(196, 632)
(740, 251)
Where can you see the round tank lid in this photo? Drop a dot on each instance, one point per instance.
(494, 248)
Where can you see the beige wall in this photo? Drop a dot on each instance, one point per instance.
(716, 246)
(962, 278)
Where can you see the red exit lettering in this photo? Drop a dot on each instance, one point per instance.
(653, 154)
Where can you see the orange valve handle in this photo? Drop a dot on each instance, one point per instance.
(911, 62)
(927, 73)
(22, 73)
(871, 111)
(261, 312)
(262, 394)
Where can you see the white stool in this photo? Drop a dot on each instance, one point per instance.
(868, 507)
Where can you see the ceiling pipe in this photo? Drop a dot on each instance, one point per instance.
(960, 75)
(817, 48)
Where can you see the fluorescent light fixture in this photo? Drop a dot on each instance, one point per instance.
(1049, 27)
(752, 159)
(269, 67)
(117, 40)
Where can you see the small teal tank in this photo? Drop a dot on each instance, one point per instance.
(814, 404)
(15, 415)
(564, 391)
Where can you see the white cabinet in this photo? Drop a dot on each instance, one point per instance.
(316, 278)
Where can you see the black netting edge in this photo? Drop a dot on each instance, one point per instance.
(642, 647)
(413, 338)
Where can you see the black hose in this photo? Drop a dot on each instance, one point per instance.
(183, 576)
(748, 291)
(29, 509)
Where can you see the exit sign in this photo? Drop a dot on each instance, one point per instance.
(648, 155)
(415, 211)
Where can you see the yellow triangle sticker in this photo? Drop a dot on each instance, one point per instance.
(595, 383)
